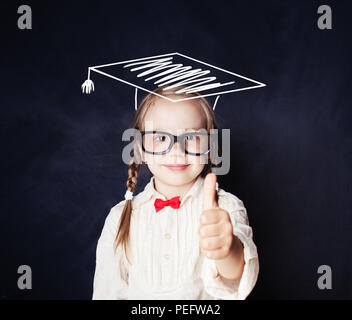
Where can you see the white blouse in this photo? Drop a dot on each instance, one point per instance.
(167, 262)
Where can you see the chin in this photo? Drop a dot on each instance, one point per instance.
(178, 179)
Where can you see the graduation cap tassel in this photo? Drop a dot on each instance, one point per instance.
(88, 85)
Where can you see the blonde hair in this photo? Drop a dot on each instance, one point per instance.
(122, 236)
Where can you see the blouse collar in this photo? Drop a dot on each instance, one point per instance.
(150, 192)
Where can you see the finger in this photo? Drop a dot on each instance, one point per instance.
(212, 243)
(217, 229)
(209, 192)
(217, 254)
(212, 230)
(212, 216)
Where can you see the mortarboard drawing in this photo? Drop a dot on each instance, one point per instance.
(173, 70)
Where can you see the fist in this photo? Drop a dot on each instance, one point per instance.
(215, 231)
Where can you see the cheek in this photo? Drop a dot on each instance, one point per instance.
(154, 160)
(197, 169)
(198, 160)
(152, 163)
(197, 163)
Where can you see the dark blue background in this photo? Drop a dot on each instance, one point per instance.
(291, 142)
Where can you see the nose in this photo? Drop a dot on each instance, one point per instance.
(176, 147)
(177, 150)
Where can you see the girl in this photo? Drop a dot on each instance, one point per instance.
(181, 238)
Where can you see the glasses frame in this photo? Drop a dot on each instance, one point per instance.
(173, 139)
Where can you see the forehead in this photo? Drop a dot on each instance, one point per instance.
(167, 115)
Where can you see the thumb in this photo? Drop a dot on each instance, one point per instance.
(209, 192)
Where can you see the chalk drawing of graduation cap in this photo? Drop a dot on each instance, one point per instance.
(173, 70)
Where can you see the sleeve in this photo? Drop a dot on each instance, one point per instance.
(222, 288)
(111, 272)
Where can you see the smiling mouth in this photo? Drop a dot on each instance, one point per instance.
(176, 167)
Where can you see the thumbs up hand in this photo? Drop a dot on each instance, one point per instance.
(215, 231)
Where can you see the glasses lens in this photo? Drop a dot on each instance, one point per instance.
(196, 142)
(156, 142)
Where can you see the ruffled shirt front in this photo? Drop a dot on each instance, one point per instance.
(166, 259)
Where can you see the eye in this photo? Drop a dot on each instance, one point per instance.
(190, 137)
(160, 138)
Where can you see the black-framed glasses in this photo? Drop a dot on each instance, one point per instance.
(161, 142)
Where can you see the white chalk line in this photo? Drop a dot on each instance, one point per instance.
(179, 72)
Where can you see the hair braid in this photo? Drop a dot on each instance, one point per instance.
(125, 220)
(133, 171)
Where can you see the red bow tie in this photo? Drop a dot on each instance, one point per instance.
(173, 203)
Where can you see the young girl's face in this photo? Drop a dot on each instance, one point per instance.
(175, 167)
